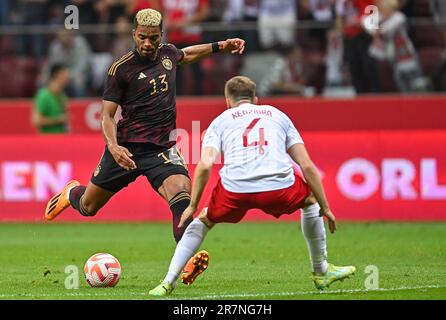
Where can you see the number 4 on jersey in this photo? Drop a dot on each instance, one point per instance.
(262, 142)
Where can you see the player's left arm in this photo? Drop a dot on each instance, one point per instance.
(197, 52)
(300, 155)
(201, 177)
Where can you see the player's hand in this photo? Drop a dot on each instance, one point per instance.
(64, 118)
(234, 45)
(331, 219)
(189, 212)
(122, 156)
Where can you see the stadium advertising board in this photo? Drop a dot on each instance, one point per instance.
(368, 175)
(318, 114)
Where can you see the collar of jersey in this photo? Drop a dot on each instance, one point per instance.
(145, 59)
(244, 104)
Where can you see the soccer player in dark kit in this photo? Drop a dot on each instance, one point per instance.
(142, 82)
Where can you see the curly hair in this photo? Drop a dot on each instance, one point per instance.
(148, 18)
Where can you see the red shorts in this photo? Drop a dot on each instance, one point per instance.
(226, 206)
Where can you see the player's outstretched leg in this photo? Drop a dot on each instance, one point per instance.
(60, 201)
(313, 230)
(188, 245)
(85, 199)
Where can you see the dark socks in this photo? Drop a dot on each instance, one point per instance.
(178, 204)
(75, 199)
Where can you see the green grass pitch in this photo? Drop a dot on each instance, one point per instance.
(248, 260)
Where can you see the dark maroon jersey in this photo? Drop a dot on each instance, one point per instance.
(145, 90)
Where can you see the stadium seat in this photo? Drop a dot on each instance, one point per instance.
(210, 70)
(216, 68)
(430, 60)
(422, 8)
(314, 68)
(386, 77)
(19, 77)
(6, 45)
(427, 36)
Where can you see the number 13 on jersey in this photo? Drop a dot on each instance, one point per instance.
(261, 142)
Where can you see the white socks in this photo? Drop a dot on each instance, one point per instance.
(186, 248)
(313, 230)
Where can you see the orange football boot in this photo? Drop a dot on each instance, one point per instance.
(60, 201)
(194, 267)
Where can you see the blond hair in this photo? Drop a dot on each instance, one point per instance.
(240, 88)
(148, 18)
(394, 4)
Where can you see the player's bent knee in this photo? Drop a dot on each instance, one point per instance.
(180, 187)
(92, 213)
(204, 218)
(88, 209)
(177, 183)
(311, 199)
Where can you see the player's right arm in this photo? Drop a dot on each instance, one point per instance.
(114, 87)
(121, 154)
(299, 154)
(211, 147)
(201, 177)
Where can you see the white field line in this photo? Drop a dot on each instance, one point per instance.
(108, 294)
(301, 293)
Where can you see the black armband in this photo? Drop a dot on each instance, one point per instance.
(215, 47)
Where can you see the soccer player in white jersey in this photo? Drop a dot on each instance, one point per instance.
(257, 173)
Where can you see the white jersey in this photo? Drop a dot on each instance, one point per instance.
(254, 140)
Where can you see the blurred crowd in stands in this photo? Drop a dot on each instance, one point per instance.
(298, 47)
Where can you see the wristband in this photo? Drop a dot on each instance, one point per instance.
(215, 47)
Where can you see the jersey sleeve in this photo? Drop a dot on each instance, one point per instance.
(176, 54)
(293, 135)
(212, 138)
(114, 86)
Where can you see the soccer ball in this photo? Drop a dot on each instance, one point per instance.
(102, 270)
